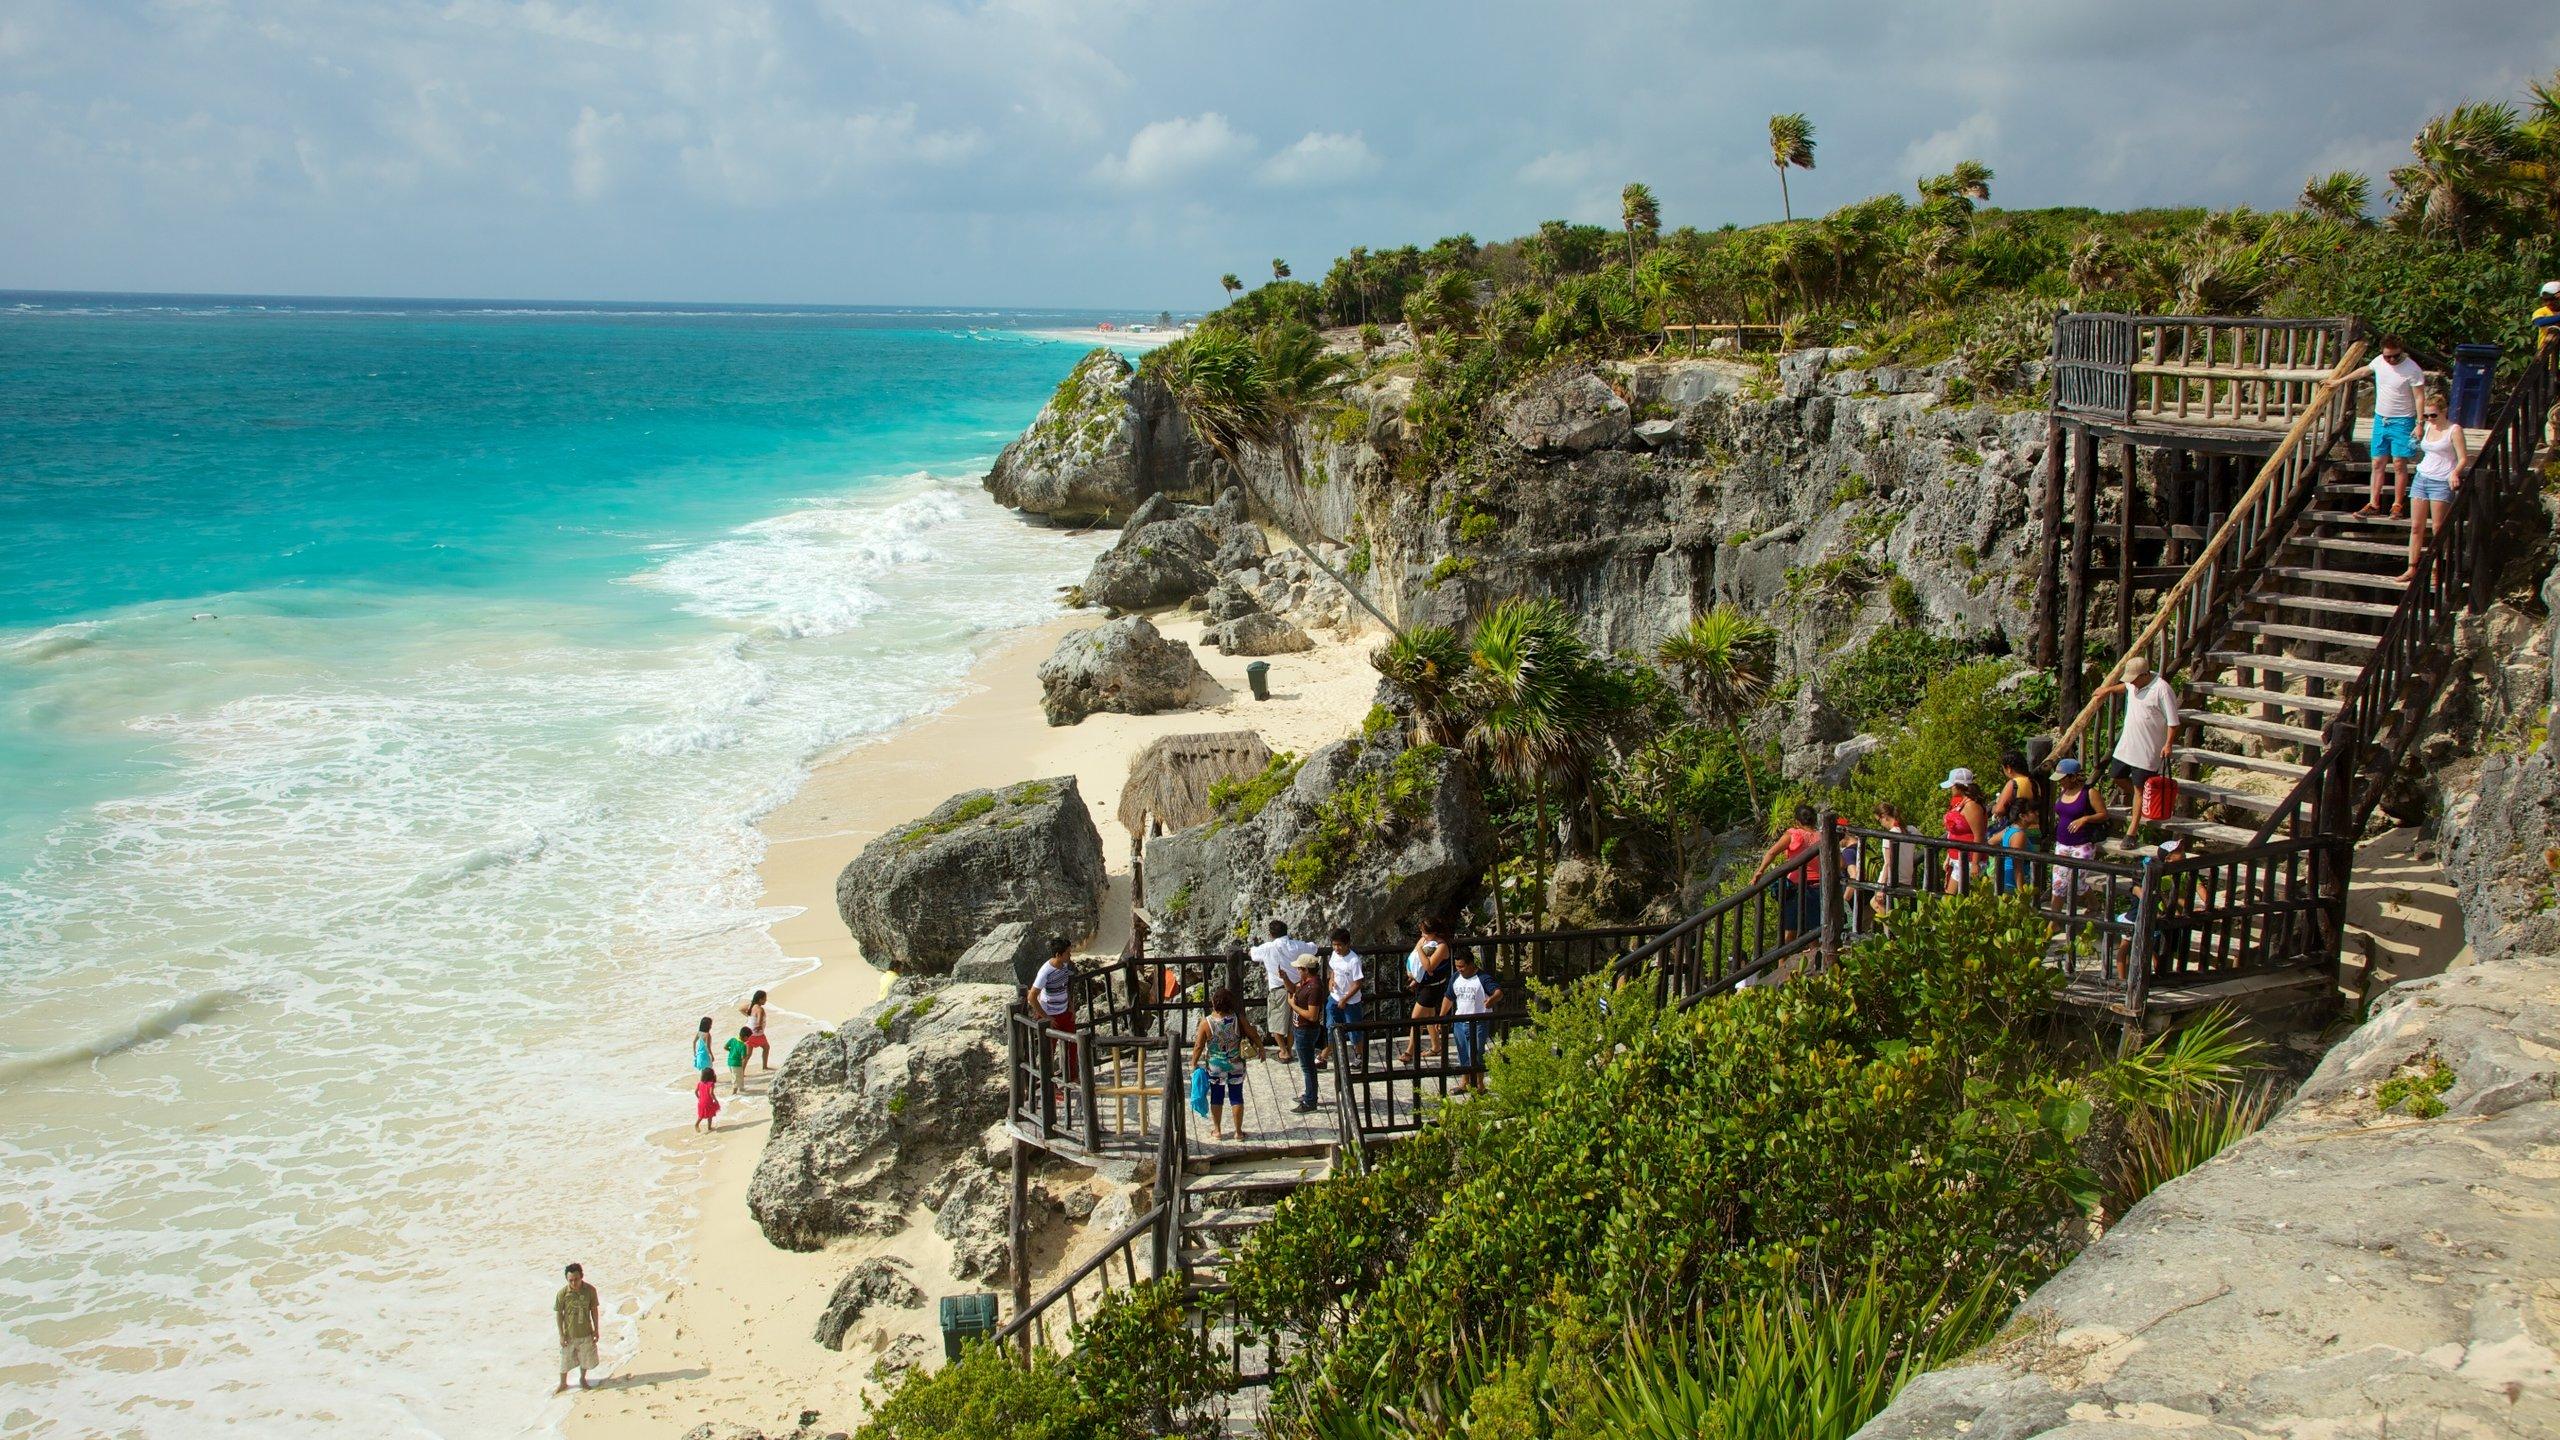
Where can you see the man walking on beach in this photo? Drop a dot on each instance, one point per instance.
(2150, 728)
(1279, 956)
(575, 1309)
(2397, 383)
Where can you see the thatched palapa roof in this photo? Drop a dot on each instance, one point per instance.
(1169, 781)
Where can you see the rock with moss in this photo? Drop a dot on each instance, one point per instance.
(1567, 411)
(1170, 552)
(1107, 440)
(1367, 833)
(1258, 634)
(878, 1116)
(919, 897)
(1125, 666)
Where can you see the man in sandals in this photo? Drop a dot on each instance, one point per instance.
(2398, 381)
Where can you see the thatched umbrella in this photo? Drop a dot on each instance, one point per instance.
(1169, 781)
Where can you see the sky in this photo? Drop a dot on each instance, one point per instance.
(1120, 155)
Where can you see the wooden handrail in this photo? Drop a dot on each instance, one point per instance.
(1127, 1238)
(2294, 436)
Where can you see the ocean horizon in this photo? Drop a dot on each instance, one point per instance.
(388, 691)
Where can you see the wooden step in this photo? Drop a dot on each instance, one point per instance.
(2326, 705)
(2326, 604)
(1234, 1217)
(2350, 517)
(2344, 639)
(2205, 792)
(2207, 834)
(2316, 576)
(2247, 725)
(2286, 664)
(2349, 547)
(2224, 760)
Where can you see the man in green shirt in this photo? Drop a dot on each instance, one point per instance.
(575, 1309)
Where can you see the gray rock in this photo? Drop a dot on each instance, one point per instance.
(919, 897)
(1107, 441)
(881, 1280)
(972, 1217)
(1567, 411)
(1242, 548)
(1657, 433)
(1009, 955)
(1124, 666)
(869, 1117)
(1813, 727)
(2339, 1271)
(1230, 600)
(1150, 569)
(1259, 635)
(1207, 886)
(1845, 759)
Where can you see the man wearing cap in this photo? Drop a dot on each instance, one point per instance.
(2150, 727)
(1278, 956)
(1305, 996)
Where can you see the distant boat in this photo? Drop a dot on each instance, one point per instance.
(1139, 329)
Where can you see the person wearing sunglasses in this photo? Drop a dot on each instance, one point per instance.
(2442, 458)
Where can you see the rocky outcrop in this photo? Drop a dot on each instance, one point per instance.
(2343, 1272)
(1010, 954)
(875, 1118)
(881, 1280)
(1258, 634)
(919, 897)
(972, 1218)
(1564, 412)
(1107, 441)
(1125, 666)
(1369, 835)
(1168, 553)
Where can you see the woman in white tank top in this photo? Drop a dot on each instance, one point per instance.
(2441, 459)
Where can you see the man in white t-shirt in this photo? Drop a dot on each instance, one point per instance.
(2150, 728)
(1344, 989)
(1052, 997)
(1278, 957)
(2399, 383)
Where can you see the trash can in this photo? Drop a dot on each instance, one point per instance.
(966, 1317)
(1258, 675)
(2474, 366)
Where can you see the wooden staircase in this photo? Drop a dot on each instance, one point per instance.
(2254, 703)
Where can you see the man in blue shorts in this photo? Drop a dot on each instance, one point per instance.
(2398, 381)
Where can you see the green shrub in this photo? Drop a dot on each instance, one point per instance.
(1237, 801)
(1371, 807)
(1478, 527)
(986, 1394)
(1449, 567)
(1360, 560)
(1876, 681)
(1890, 1114)
(2417, 1090)
(1137, 1370)
(1350, 423)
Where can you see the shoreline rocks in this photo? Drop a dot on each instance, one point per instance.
(880, 1280)
(1107, 440)
(1124, 666)
(920, 897)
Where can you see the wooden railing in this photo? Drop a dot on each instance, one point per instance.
(2193, 370)
(2457, 573)
(1094, 1090)
(1088, 1283)
(2193, 612)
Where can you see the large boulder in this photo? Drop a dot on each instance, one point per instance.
(1010, 954)
(1565, 412)
(1126, 666)
(873, 1119)
(1370, 834)
(1107, 440)
(880, 1280)
(1258, 634)
(919, 897)
(2351, 1269)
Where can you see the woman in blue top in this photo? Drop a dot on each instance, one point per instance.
(702, 1045)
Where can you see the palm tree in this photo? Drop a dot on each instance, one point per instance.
(1279, 269)
(1445, 300)
(2465, 168)
(1790, 143)
(1427, 664)
(1725, 662)
(1532, 716)
(1359, 261)
(1229, 283)
(2339, 196)
(1236, 393)
(1642, 215)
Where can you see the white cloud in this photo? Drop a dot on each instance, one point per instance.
(1563, 169)
(1975, 137)
(1171, 150)
(1321, 157)
(591, 141)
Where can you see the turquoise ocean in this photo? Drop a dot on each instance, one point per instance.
(387, 694)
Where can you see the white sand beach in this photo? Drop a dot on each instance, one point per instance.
(1115, 339)
(733, 1342)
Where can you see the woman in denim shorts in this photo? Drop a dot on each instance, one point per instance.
(2442, 456)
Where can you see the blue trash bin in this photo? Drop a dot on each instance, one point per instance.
(2474, 367)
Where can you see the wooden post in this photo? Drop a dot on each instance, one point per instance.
(2049, 552)
(2173, 507)
(1832, 891)
(1017, 1239)
(2124, 550)
(2137, 969)
(2075, 607)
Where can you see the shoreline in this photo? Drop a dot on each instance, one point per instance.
(731, 1342)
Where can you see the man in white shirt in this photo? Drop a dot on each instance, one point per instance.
(1278, 957)
(1343, 1004)
(1051, 995)
(2398, 384)
(2150, 728)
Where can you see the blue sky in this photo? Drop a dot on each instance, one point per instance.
(1075, 152)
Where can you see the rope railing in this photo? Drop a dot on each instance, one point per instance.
(2195, 607)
